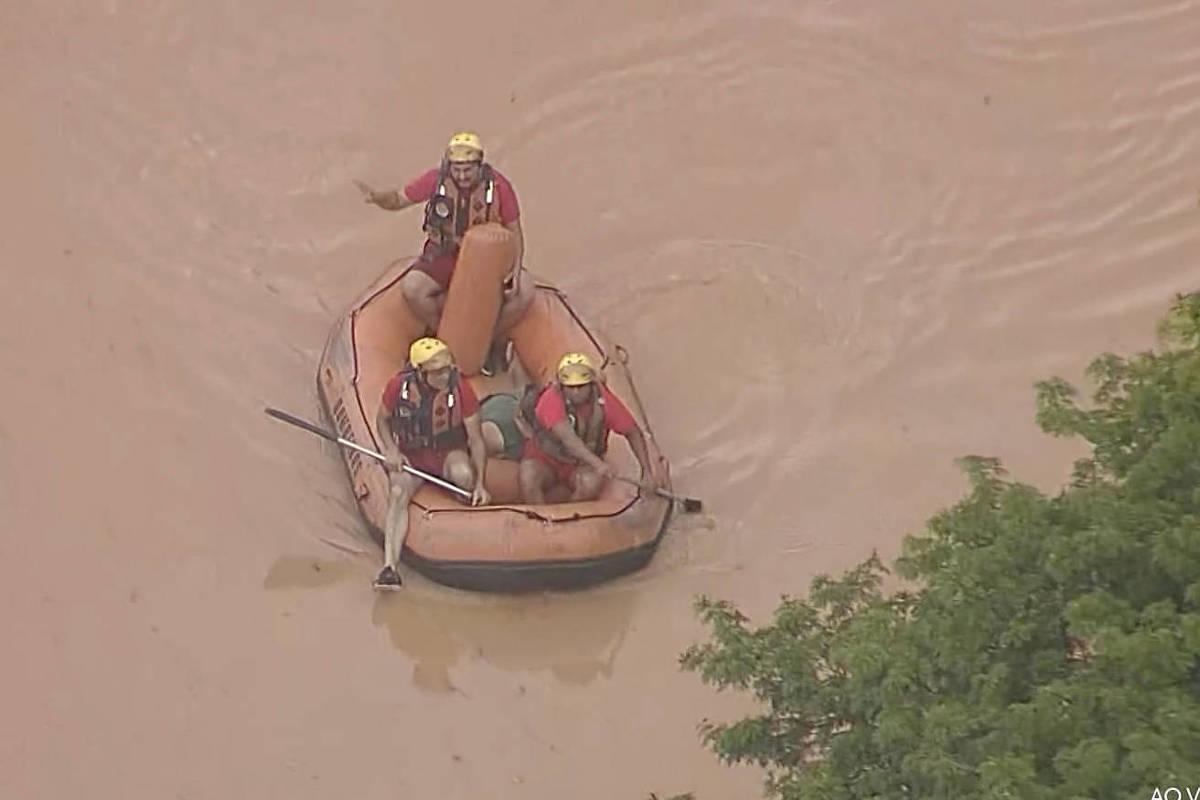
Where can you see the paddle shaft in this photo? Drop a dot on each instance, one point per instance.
(689, 503)
(324, 434)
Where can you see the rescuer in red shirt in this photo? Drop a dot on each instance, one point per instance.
(428, 418)
(462, 192)
(567, 423)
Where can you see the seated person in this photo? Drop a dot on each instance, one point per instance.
(428, 419)
(502, 435)
(569, 421)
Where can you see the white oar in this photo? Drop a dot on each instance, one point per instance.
(324, 434)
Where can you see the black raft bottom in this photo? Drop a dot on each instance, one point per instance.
(532, 576)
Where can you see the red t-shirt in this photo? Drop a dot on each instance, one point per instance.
(423, 187)
(551, 410)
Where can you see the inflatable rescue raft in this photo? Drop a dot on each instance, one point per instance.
(505, 546)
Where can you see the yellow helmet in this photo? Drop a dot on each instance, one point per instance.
(426, 350)
(576, 369)
(464, 146)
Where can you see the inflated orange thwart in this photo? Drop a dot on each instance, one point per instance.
(473, 301)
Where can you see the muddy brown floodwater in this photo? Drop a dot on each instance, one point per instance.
(840, 240)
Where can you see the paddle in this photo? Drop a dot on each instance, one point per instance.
(324, 434)
(690, 504)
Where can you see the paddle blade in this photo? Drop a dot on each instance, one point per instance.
(299, 423)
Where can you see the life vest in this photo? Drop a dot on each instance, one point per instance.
(425, 418)
(450, 211)
(593, 430)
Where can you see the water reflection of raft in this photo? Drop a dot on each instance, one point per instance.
(505, 546)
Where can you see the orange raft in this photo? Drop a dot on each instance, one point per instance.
(506, 546)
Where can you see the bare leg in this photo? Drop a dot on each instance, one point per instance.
(535, 476)
(401, 490)
(512, 308)
(424, 297)
(493, 439)
(515, 305)
(457, 469)
(586, 484)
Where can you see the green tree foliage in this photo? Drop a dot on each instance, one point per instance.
(1051, 648)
